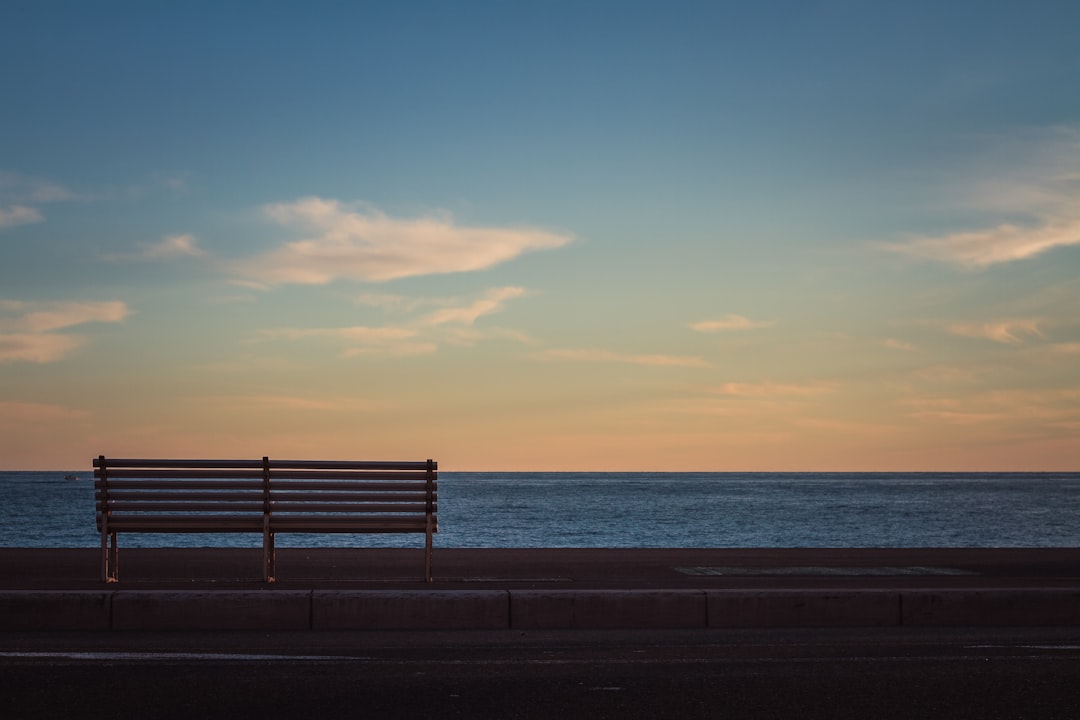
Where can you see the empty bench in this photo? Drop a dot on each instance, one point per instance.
(262, 496)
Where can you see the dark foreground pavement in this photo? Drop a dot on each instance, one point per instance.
(880, 673)
(540, 589)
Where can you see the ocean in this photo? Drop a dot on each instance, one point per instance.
(44, 509)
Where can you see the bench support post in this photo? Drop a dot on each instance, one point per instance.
(429, 525)
(268, 533)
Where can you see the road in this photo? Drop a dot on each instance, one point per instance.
(777, 673)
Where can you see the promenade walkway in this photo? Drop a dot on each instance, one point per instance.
(328, 589)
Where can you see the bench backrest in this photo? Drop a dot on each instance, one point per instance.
(147, 495)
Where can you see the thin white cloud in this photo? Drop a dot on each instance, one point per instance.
(492, 302)
(771, 389)
(895, 344)
(28, 330)
(1034, 181)
(606, 356)
(15, 215)
(1015, 331)
(1004, 243)
(21, 196)
(174, 246)
(168, 248)
(361, 340)
(36, 348)
(343, 242)
(730, 322)
(17, 414)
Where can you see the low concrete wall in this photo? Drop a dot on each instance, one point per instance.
(211, 610)
(563, 609)
(273, 609)
(54, 610)
(803, 608)
(1034, 606)
(410, 610)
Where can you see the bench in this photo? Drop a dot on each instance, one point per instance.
(262, 496)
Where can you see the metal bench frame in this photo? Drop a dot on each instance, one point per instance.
(263, 496)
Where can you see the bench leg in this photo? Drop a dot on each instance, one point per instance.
(268, 557)
(108, 557)
(427, 557)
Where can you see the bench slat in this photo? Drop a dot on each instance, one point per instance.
(156, 463)
(257, 494)
(387, 524)
(125, 484)
(283, 485)
(353, 464)
(224, 474)
(402, 476)
(194, 523)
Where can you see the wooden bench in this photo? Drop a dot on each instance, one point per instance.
(262, 496)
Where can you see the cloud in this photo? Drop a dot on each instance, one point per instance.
(1010, 332)
(1034, 181)
(20, 195)
(343, 242)
(492, 302)
(170, 247)
(895, 344)
(1004, 243)
(730, 322)
(17, 414)
(19, 215)
(770, 389)
(43, 348)
(28, 330)
(361, 340)
(174, 246)
(606, 356)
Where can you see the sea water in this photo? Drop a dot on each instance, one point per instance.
(48, 509)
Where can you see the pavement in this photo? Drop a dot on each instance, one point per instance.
(334, 589)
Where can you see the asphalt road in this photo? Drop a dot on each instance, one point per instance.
(824, 673)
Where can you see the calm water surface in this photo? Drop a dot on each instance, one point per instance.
(43, 509)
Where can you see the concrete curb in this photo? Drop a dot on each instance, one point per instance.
(598, 609)
(410, 610)
(55, 610)
(273, 609)
(1031, 607)
(211, 610)
(803, 608)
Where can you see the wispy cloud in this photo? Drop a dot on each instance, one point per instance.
(1043, 188)
(1014, 331)
(14, 215)
(894, 344)
(174, 246)
(607, 356)
(1049, 408)
(361, 340)
(771, 389)
(730, 322)
(416, 333)
(492, 302)
(343, 241)
(21, 197)
(18, 414)
(28, 331)
(1004, 243)
(169, 247)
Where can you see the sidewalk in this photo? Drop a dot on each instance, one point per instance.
(326, 589)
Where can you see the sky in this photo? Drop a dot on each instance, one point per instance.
(718, 236)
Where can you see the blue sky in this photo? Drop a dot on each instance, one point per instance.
(689, 235)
